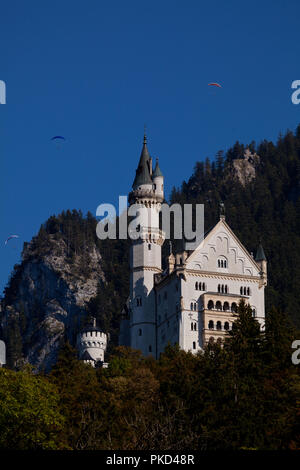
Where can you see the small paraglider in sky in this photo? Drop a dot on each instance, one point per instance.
(58, 140)
(10, 237)
(215, 84)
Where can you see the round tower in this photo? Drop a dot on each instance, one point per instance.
(91, 344)
(145, 253)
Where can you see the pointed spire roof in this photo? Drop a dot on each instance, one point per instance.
(260, 254)
(157, 171)
(143, 170)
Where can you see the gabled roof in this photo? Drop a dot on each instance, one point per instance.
(211, 232)
(143, 170)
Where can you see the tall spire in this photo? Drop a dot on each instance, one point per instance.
(222, 210)
(143, 170)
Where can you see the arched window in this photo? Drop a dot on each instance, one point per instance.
(245, 291)
(195, 306)
(219, 288)
(211, 325)
(195, 326)
(226, 326)
(140, 332)
(222, 289)
(192, 326)
(219, 325)
(211, 340)
(203, 286)
(192, 305)
(210, 305)
(225, 263)
(194, 344)
(219, 340)
(226, 306)
(219, 263)
(234, 307)
(196, 286)
(241, 291)
(248, 290)
(226, 289)
(218, 305)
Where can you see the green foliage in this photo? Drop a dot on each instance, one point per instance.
(29, 412)
(242, 395)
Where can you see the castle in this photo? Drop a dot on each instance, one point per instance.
(194, 300)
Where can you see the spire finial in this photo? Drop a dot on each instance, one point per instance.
(222, 210)
(145, 134)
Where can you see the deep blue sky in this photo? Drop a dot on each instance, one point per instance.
(96, 71)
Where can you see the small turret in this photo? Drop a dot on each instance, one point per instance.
(158, 180)
(91, 343)
(261, 260)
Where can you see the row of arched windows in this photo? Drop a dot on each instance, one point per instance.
(200, 286)
(225, 307)
(211, 325)
(194, 326)
(193, 306)
(223, 288)
(245, 290)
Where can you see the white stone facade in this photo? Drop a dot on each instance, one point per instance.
(91, 344)
(195, 299)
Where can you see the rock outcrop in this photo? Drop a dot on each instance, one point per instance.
(45, 302)
(244, 169)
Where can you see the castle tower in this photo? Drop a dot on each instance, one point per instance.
(145, 253)
(91, 344)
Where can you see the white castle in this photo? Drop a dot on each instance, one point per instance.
(194, 300)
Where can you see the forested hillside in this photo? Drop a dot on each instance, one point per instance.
(68, 275)
(261, 191)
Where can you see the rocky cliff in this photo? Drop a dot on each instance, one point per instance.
(244, 168)
(66, 276)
